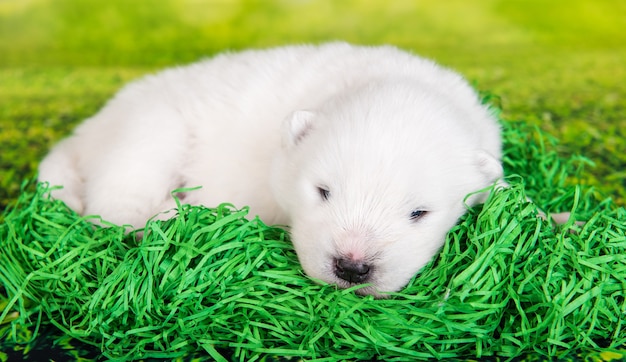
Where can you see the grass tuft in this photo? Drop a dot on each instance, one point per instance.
(505, 283)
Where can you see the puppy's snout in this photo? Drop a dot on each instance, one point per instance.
(353, 271)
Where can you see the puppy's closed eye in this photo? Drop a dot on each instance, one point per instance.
(417, 214)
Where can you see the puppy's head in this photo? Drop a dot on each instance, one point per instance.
(374, 181)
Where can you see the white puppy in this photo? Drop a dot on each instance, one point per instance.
(366, 152)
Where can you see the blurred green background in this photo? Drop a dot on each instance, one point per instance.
(560, 64)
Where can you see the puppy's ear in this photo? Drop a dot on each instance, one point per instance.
(297, 126)
(490, 170)
(489, 166)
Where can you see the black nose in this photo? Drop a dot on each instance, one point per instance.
(352, 271)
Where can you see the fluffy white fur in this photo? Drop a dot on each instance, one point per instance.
(366, 152)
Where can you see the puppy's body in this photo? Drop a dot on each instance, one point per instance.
(367, 153)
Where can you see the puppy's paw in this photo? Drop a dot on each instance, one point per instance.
(560, 218)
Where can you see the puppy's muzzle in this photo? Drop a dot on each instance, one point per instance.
(352, 271)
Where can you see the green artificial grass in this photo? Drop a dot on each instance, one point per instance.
(505, 283)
